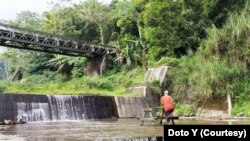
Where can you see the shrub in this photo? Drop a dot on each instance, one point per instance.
(37, 79)
(181, 109)
(155, 86)
(241, 108)
(78, 69)
(4, 85)
(97, 82)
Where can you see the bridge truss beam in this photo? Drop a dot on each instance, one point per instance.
(23, 38)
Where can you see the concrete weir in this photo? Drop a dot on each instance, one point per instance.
(68, 107)
(55, 107)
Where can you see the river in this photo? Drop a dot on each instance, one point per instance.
(90, 130)
(85, 130)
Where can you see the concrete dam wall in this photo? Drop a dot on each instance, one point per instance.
(129, 107)
(66, 107)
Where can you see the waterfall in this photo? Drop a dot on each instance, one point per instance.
(63, 108)
(32, 111)
(55, 107)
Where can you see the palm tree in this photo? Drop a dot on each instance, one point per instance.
(62, 63)
(130, 51)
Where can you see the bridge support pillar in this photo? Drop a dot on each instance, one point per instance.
(96, 65)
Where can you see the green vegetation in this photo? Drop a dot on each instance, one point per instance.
(206, 43)
(184, 110)
(241, 108)
(54, 83)
(221, 66)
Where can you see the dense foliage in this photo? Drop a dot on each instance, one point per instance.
(205, 42)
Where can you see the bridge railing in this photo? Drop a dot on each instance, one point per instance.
(26, 38)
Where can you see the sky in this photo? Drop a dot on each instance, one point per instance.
(10, 8)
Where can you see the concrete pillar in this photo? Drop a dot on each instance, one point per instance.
(229, 103)
(96, 65)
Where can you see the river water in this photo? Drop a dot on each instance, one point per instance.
(85, 130)
(89, 130)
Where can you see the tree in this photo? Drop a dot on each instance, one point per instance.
(15, 58)
(38, 65)
(96, 13)
(27, 19)
(59, 22)
(64, 64)
(217, 11)
(126, 35)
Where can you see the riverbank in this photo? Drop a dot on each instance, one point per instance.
(216, 118)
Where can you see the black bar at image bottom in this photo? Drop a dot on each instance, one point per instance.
(207, 132)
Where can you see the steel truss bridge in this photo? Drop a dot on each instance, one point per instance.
(23, 38)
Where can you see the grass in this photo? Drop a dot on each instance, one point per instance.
(113, 84)
(241, 108)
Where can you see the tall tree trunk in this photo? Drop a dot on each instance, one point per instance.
(144, 56)
(101, 33)
(102, 65)
(144, 48)
(6, 68)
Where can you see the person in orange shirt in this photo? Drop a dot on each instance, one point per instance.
(168, 104)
